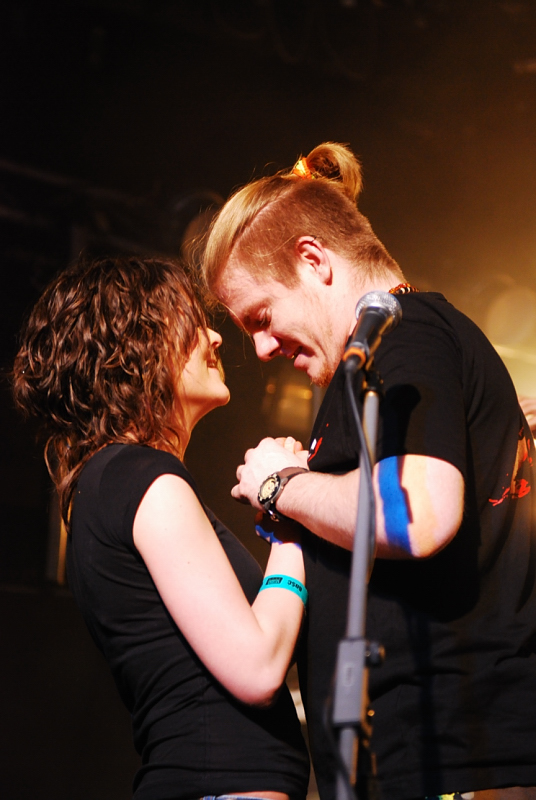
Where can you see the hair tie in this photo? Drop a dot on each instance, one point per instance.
(302, 170)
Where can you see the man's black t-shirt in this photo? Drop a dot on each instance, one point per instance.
(195, 739)
(453, 701)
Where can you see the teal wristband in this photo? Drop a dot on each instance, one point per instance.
(285, 582)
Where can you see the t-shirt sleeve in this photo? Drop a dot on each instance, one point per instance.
(422, 412)
(126, 479)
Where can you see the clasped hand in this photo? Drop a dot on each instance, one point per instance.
(270, 455)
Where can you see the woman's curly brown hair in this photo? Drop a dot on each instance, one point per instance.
(100, 358)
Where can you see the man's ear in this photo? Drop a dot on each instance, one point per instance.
(313, 256)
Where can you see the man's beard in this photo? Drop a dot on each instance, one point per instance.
(323, 379)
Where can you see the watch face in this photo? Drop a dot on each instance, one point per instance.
(268, 488)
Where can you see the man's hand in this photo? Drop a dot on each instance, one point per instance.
(270, 455)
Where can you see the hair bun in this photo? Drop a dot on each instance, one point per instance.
(336, 162)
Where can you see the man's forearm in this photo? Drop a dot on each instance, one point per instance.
(419, 504)
(325, 504)
(419, 499)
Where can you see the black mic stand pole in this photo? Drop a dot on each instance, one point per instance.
(351, 713)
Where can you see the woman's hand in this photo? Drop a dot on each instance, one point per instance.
(296, 447)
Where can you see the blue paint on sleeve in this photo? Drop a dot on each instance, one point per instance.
(395, 509)
(270, 537)
(267, 535)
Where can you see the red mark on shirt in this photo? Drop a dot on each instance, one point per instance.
(314, 451)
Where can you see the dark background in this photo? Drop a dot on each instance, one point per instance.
(119, 121)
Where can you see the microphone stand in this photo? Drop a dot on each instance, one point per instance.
(351, 713)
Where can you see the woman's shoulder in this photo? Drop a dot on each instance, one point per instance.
(119, 457)
(115, 480)
(120, 469)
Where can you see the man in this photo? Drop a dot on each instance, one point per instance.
(452, 596)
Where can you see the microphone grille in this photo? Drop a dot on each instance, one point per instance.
(382, 301)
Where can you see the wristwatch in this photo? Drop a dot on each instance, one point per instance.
(272, 486)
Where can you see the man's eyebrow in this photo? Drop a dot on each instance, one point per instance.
(252, 315)
(240, 322)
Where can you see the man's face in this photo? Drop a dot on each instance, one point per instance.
(295, 322)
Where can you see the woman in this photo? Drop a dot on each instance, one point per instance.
(119, 363)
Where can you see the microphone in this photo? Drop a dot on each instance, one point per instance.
(377, 313)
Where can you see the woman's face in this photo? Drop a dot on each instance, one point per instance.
(201, 385)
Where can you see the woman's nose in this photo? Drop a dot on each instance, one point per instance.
(214, 338)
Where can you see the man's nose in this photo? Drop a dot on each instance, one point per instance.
(266, 346)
